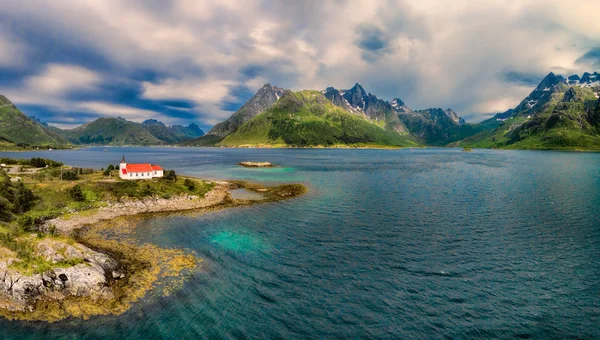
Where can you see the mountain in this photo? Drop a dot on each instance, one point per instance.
(172, 134)
(262, 100)
(431, 126)
(111, 131)
(436, 126)
(366, 105)
(118, 131)
(20, 130)
(308, 118)
(560, 113)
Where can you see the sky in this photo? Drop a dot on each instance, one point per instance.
(191, 61)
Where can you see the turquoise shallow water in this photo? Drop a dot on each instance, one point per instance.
(433, 243)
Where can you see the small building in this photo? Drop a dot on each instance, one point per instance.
(139, 171)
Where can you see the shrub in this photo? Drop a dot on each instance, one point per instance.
(70, 175)
(27, 223)
(191, 185)
(76, 193)
(147, 191)
(24, 199)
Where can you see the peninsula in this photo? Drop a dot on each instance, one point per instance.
(65, 243)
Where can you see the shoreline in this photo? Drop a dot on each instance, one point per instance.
(140, 268)
(340, 147)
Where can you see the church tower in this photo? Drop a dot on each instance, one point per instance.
(123, 163)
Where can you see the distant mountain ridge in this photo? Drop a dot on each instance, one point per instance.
(119, 131)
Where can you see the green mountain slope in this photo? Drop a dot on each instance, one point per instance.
(262, 100)
(307, 118)
(111, 131)
(556, 115)
(18, 129)
(118, 131)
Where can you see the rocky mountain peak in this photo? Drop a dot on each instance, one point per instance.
(153, 122)
(590, 79)
(37, 120)
(453, 115)
(550, 81)
(397, 102)
(263, 99)
(194, 127)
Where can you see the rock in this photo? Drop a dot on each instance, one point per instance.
(256, 164)
(117, 274)
(90, 278)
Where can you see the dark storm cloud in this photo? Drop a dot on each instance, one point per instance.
(373, 41)
(591, 57)
(526, 79)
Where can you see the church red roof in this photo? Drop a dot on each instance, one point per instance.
(139, 168)
(156, 168)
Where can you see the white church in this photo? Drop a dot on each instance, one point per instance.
(139, 171)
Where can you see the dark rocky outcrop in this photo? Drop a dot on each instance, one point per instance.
(79, 272)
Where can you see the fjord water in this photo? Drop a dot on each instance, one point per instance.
(425, 243)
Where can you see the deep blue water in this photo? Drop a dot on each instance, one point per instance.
(432, 243)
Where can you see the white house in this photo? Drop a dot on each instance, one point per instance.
(139, 171)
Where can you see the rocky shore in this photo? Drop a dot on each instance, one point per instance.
(128, 207)
(88, 278)
(83, 273)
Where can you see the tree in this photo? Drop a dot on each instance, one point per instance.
(170, 175)
(76, 193)
(24, 199)
(108, 170)
(5, 210)
(6, 189)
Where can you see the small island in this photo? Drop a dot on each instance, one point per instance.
(256, 164)
(65, 243)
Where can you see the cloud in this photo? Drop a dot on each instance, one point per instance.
(197, 61)
(525, 79)
(373, 41)
(11, 52)
(591, 57)
(60, 79)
